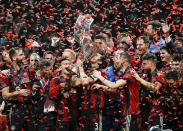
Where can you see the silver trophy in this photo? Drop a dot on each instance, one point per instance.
(82, 27)
(88, 48)
(82, 36)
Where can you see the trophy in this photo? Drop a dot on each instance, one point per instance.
(82, 26)
(82, 36)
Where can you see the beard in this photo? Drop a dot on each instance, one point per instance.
(148, 71)
(19, 63)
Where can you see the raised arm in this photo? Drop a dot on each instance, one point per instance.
(84, 78)
(76, 81)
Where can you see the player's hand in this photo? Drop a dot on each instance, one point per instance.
(5, 73)
(35, 87)
(97, 74)
(24, 92)
(54, 40)
(135, 74)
